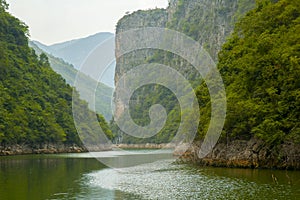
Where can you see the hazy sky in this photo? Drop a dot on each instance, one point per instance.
(52, 21)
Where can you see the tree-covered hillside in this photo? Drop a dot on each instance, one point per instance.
(35, 102)
(260, 66)
(103, 93)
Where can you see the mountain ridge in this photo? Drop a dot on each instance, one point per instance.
(76, 51)
(69, 73)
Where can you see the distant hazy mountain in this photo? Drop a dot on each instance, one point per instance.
(76, 51)
(68, 72)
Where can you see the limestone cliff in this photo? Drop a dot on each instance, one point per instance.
(138, 19)
(207, 21)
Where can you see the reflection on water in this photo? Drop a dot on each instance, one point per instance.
(40, 177)
(79, 176)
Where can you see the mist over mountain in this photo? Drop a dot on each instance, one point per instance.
(103, 93)
(76, 51)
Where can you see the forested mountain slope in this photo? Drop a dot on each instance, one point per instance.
(260, 66)
(35, 102)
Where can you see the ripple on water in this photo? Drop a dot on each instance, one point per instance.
(164, 180)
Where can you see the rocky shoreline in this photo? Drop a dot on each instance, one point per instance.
(41, 149)
(48, 149)
(253, 153)
(72, 148)
(144, 146)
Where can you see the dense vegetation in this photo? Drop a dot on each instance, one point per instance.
(35, 102)
(260, 66)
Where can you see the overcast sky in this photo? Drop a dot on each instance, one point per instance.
(53, 21)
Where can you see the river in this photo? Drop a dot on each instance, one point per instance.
(80, 176)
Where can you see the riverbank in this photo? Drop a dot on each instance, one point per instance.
(19, 149)
(144, 146)
(253, 153)
(71, 148)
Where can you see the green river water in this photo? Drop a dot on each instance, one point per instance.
(80, 176)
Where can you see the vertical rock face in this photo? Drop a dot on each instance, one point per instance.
(207, 21)
(142, 18)
(138, 19)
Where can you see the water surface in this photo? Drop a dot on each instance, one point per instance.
(80, 176)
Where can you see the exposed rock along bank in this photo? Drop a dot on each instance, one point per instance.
(144, 146)
(48, 149)
(252, 153)
(42, 149)
(61, 148)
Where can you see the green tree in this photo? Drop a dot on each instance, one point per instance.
(260, 66)
(35, 102)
